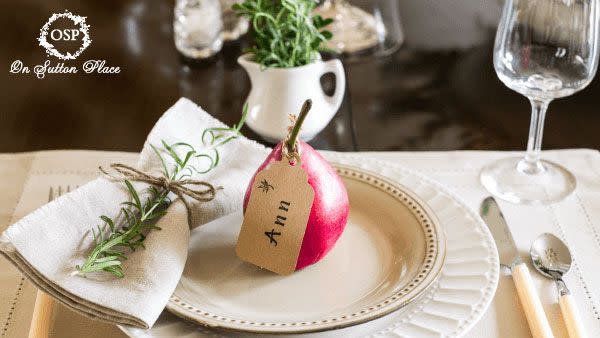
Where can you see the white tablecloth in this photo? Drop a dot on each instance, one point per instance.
(27, 177)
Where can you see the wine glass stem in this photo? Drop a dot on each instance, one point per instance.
(531, 163)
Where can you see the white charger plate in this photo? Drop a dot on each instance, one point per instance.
(465, 288)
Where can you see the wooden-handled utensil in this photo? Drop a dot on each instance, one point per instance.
(509, 257)
(44, 304)
(552, 258)
(42, 316)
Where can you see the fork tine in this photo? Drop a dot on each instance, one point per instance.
(58, 191)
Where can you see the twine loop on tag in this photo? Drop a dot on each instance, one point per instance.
(291, 141)
(178, 187)
(292, 156)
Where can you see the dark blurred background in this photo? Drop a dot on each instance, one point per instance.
(438, 92)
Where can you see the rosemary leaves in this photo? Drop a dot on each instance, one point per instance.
(285, 32)
(115, 238)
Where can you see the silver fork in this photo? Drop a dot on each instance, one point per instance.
(42, 310)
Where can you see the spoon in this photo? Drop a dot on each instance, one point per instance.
(551, 257)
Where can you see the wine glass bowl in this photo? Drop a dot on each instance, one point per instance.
(544, 50)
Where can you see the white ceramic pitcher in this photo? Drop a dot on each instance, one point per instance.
(277, 92)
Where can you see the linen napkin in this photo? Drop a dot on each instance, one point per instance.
(47, 244)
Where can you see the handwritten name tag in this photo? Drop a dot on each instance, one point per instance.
(276, 218)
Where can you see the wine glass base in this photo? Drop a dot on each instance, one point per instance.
(516, 181)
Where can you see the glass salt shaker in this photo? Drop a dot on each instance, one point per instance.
(197, 26)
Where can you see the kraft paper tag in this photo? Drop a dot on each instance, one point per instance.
(276, 218)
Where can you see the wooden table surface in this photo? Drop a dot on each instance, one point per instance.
(412, 100)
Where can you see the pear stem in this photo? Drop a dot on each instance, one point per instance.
(291, 143)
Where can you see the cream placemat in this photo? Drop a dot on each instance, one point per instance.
(576, 220)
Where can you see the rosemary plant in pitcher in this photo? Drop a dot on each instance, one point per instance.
(284, 66)
(285, 32)
(116, 237)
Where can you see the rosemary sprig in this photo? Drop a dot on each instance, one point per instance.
(113, 241)
(285, 32)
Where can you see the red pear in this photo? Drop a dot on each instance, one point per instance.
(329, 211)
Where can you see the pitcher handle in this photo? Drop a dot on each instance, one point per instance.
(335, 66)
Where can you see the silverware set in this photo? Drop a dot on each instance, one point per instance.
(550, 256)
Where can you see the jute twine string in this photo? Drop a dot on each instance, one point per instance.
(292, 155)
(180, 188)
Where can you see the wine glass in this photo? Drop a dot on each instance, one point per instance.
(363, 28)
(234, 26)
(544, 49)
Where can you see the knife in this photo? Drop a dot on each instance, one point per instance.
(509, 257)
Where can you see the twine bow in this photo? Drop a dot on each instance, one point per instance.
(178, 187)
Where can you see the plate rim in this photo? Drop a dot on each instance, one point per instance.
(372, 312)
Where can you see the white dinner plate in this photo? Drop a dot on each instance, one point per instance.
(450, 307)
(392, 249)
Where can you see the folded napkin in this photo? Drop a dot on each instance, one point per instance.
(47, 244)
